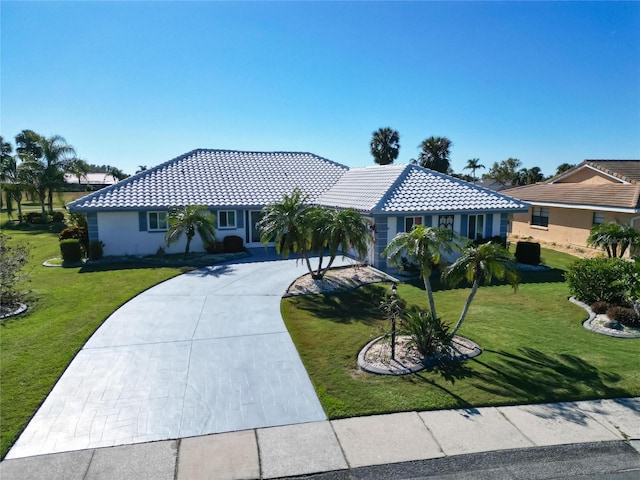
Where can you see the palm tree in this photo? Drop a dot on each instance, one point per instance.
(141, 168)
(480, 264)
(473, 164)
(339, 231)
(425, 246)
(528, 176)
(613, 238)
(286, 223)
(190, 220)
(12, 178)
(57, 155)
(385, 146)
(79, 168)
(115, 173)
(563, 167)
(435, 153)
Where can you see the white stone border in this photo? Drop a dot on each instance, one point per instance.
(589, 323)
(401, 369)
(21, 309)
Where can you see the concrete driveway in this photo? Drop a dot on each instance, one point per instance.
(205, 352)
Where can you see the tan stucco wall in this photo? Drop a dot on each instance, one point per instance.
(567, 226)
(589, 176)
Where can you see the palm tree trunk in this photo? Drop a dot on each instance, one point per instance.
(427, 287)
(186, 250)
(474, 289)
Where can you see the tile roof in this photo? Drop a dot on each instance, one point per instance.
(597, 195)
(627, 170)
(410, 188)
(217, 178)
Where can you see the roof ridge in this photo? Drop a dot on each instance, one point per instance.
(402, 174)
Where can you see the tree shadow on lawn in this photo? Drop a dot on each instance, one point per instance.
(361, 305)
(450, 372)
(535, 377)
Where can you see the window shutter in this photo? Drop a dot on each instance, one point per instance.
(464, 225)
(488, 226)
(142, 221)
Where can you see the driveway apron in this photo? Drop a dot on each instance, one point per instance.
(205, 352)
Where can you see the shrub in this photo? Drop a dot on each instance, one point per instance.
(600, 307)
(625, 315)
(232, 244)
(71, 250)
(599, 279)
(76, 233)
(58, 217)
(528, 253)
(35, 217)
(96, 250)
(214, 247)
(78, 220)
(12, 260)
(428, 334)
(502, 241)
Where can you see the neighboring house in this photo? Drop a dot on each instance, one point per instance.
(566, 207)
(131, 216)
(94, 180)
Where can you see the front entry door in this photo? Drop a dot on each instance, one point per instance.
(253, 234)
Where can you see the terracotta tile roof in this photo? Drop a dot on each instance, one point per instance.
(218, 178)
(627, 170)
(600, 195)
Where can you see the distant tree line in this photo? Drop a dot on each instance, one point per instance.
(435, 154)
(37, 168)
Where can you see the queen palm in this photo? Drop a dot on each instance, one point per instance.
(385, 145)
(190, 220)
(425, 246)
(473, 164)
(480, 264)
(58, 156)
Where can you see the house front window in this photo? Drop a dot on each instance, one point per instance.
(410, 222)
(446, 222)
(157, 221)
(227, 219)
(598, 218)
(476, 227)
(540, 216)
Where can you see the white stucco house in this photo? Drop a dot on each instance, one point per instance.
(130, 217)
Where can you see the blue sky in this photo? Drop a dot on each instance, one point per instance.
(138, 83)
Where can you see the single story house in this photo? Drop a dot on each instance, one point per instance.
(566, 207)
(130, 217)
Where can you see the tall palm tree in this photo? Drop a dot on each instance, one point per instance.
(58, 156)
(434, 154)
(115, 173)
(12, 178)
(286, 223)
(473, 164)
(425, 246)
(385, 146)
(480, 264)
(190, 220)
(79, 168)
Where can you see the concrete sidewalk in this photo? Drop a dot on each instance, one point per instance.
(347, 444)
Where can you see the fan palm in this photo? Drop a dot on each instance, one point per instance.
(425, 246)
(190, 220)
(435, 153)
(385, 146)
(480, 264)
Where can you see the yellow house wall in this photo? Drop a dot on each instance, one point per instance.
(588, 176)
(567, 226)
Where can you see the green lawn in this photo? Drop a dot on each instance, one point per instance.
(534, 349)
(66, 307)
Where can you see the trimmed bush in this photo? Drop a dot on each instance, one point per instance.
(528, 253)
(71, 250)
(214, 247)
(600, 307)
(76, 233)
(624, 315)
(232, 244)
(58, 217)
(96, 250)
(592, 280)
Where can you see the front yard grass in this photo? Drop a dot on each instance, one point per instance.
(66, 305)
(534, 349)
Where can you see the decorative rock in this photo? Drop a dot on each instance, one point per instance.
(614, 324)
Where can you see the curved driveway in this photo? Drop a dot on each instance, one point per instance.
(205, 352)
